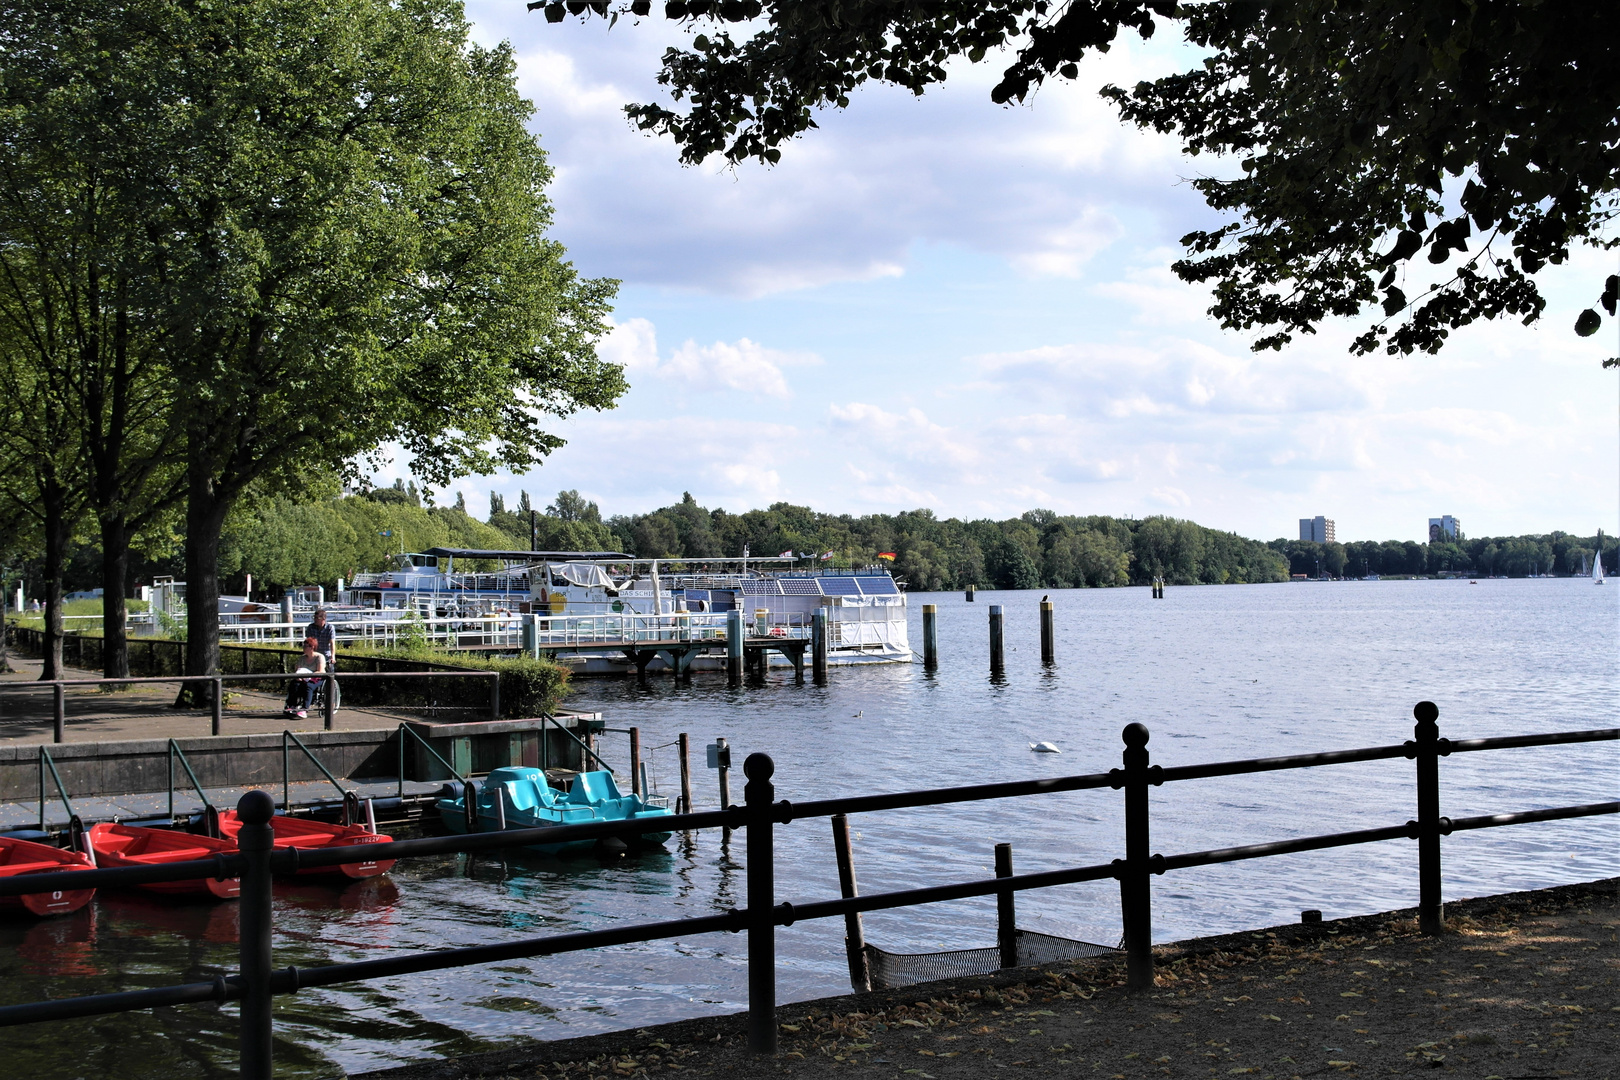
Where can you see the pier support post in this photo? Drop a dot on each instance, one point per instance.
(1427, 749)
(635, 761)
(1006, 910)
(930, 636)
(255, 842)
(860, 976)
(59, 713)
(760, 794)
(1135, 889)
(734, 643)
(818, 645)
(997, 640)
(686, 774)
(1048, 632)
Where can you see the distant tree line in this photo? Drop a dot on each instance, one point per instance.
(1556, 553)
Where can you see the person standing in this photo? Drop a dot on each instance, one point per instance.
(325, 639)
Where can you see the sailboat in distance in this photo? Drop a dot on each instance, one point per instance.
(1597, 561)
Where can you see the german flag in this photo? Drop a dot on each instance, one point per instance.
(889, 555)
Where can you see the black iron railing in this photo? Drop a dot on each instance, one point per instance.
(758, 816)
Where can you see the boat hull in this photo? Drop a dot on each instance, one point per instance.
(308, 835)
(132, 845)
(19, 858)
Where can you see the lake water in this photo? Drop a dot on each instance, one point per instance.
(1214, 672)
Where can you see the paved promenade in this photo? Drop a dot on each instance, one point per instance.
(1524, 986)
(145, 711)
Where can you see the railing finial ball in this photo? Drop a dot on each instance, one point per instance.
(1135, 735)
(1426, 712)
(759, 767)
(256, 807)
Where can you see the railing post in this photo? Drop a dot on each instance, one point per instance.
(759, 794)
(1427, 748)
(1135, 891)
(59, 716)
(860, 976)
(495, 695)
(328, 710)
(217, 707)
(255, 842)
(1006, 910)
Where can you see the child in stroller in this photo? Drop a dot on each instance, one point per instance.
(313, 663)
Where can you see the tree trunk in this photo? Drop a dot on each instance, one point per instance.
(54, 505)
(205, 520)
(114, 611)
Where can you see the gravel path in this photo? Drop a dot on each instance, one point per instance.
(1522, 986)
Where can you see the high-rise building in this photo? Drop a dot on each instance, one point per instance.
(1444, 528)
(1317, 529)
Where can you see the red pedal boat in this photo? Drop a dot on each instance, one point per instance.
(305, 834)
(26, 857)
(132, 845)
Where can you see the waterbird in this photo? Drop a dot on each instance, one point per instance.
(1044, 748)
(859, 712)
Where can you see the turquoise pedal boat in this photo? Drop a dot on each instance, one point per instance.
(522, 798)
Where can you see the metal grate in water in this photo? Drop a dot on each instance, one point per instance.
(890, 971)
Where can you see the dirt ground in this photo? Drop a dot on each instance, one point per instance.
(1522, 986)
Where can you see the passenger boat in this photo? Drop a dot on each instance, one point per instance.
(522, 798)
(135, 845)
(19, 857)
(307, 834)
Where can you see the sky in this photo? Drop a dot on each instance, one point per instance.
(940, 302)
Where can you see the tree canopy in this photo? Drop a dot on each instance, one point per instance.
(1425, 159)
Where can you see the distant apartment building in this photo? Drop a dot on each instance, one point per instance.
(1317, 529)
(1445, 528)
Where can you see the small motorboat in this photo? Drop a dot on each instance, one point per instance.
(306, 834)
(27, 857)
(136, 845)
(522, 798)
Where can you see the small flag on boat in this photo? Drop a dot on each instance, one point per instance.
(826, 556)
(785, 555)
(886, 555)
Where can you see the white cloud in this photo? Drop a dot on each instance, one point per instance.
(744, 366)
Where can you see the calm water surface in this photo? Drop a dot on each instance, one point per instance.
(1214, 672)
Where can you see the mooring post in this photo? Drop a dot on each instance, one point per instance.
(686, 774)
(930, 636)
(818, 645)
(1427, 749)
(1048, 632)
(328, 707)
(1006, 910)
(723, 766)
(760, 796)
(635, 761)
(1135, 890)
(997, 641)
(970, 594)
(59, 716)
(860, 976)
(734, 643)
(217, 706)
(255, 842)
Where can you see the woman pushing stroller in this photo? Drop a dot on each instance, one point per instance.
(313, 662)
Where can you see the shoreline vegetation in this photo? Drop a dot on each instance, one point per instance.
(284, 542)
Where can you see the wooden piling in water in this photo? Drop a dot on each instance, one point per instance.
(930, 636)
(1006, 910)
(818, 645)
(734, 643)
(997, 640)
(970, 594)
(1048, 633)
(635, 761)
(685, 743)
(860, 976)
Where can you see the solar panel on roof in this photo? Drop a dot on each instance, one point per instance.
(878, 586)
(761, 588)
(840, 586)
(800, 586)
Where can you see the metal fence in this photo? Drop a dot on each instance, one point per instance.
(213, 688)
(758, 817)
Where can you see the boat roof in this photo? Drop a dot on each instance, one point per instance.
(523, 556)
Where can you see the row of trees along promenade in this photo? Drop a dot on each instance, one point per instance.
(244, 248)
